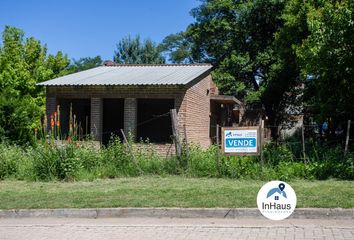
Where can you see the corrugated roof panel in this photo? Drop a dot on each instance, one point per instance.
(133, 75)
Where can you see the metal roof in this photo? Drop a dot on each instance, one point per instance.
(164, 74)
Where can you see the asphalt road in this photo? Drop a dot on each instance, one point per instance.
(173, 228)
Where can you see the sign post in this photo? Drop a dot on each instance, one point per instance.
(241, 141)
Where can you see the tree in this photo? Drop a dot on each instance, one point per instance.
(324, 53)
(239, 39)
(57, 65)
(178, 48)
(84, 64)
(18, 118)
(133, 51)
(23, 63)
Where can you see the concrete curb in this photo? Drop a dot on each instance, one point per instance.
(230, 213)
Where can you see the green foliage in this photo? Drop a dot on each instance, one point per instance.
(17, 118)
(56, 162)
(8, 160)
(241, 167)
(328, 162)
(72, 162)
(57, 65)
(202, 163)
(250, 63)
(134, 51)
(116, 156)
(324, 49)
(23, 63)
(283, 55)
(274, 154)
(84, 64)
(178, 48)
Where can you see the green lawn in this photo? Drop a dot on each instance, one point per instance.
(165, 192)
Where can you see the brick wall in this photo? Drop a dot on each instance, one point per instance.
(96, 118)
(197, 108)
(161, 149)
(130, 116)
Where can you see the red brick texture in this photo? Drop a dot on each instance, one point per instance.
(197, 103)
(130, 116)
(96, 118)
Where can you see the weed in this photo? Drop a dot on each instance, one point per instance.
(51, 161)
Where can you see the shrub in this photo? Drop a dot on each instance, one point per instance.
(18, 116)
(90, 157)
(273, 153)
(9, 156)
(117, 157)
(202, 163)
(148, 161)
(46, 161)
(55, 162)
(290, 170)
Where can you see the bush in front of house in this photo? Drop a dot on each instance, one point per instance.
(55, 162)
(47, 161)
(9, 156)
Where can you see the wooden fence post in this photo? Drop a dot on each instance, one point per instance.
(186, 140)
(261, 141)
(217, 148)
(303, 142)
(175, 132)
(347, 139)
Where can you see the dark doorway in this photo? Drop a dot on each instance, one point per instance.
(113, 118)
(80, 110)
(154, 121)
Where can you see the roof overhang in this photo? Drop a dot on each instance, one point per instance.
(223, 99)
(134, 75)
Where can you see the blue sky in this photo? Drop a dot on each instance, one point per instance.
(88, 28)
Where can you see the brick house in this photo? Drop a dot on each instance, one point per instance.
(137, 98)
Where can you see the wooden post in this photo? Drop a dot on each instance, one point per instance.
(261, 141)
(347, 139)
(175, 132)
(186, 140)
(303, 142)
(217, 149)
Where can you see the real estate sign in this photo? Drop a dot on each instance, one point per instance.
(240, 140)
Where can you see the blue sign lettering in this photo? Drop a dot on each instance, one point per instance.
(241, 143)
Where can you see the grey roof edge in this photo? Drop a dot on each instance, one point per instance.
(113, 64)
(108, 85)
(206, 72)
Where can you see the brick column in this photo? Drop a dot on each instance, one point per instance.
(130, 116)
(51, 107)
(96, 118)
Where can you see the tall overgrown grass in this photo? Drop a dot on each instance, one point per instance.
(48, 161)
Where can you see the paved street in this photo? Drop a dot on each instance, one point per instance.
(148, 228)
